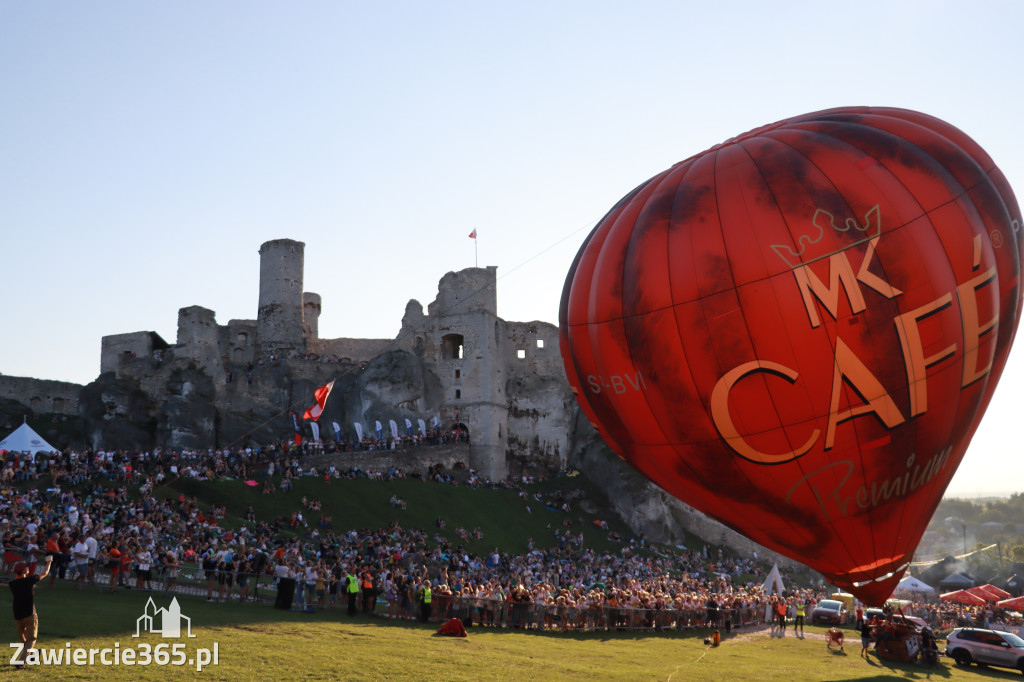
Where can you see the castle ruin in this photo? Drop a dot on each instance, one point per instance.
(501, 381)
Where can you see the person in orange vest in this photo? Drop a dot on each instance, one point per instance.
(369, 590)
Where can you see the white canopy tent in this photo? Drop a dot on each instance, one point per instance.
(773, 584)
(912, 584)
(25, 439)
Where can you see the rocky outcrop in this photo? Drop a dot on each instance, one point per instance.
(648, 509)
(120, 414)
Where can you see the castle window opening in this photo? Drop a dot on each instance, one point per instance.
(243, 338)
(34, 403)
(540, 343)
(58, 404)
(452, 346)
(521, 353)
(458, 374)
(458, 394)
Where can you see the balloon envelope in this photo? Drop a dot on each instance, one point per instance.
(797, 331)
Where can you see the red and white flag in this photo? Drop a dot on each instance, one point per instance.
(472, 235)
(320, 395)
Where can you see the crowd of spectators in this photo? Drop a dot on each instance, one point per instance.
(104, 535)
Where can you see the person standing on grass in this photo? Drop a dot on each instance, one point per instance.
(780, 612)
(352, 590)
(171, 564)
(94, 547)
(113, 564)
(79, 562)
(425, 598)
(26, 621)
(865, 640)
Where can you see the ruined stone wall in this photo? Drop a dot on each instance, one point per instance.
(532, 349)
(41, 395)
(116, 347)
(407, 459)
(199, 338)
(467, 291)
(539, 399)
(237, 342)
(355, 350)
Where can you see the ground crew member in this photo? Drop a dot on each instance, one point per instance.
(353, 592)
(425, 601)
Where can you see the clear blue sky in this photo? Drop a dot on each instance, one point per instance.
(148, 149)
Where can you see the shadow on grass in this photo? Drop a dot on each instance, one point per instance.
(892, 670)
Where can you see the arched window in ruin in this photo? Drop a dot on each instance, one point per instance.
(243, 338)
(451, 346)
(461, 432)
(237, 354)
(34, 403)
(58, 405)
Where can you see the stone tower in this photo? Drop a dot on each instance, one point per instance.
(311, 315)
(471, 365)
(279, 319)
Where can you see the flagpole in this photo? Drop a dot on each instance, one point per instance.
(476, 256)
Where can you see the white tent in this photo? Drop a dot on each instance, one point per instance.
(912, 584)
(774, 582)
(25, 439)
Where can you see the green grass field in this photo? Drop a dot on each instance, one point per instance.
(257, 642)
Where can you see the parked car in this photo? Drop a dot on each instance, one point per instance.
(986, 647)
(829, 612)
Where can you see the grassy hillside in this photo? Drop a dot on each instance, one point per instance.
(502, 515)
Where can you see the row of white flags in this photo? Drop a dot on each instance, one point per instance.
(320, 395)
(392, 424)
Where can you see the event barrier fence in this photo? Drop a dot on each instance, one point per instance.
(191, 579)
(261, 588)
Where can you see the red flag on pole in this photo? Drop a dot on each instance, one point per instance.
(320, 395)
(472, 235)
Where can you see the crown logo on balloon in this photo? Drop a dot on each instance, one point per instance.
(808, 252)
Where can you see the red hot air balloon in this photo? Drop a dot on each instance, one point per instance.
(798, 330)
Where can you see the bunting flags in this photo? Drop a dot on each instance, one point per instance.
(359, 431)
(394, 428)
(337, 431)
(320, 395)
(295, 427)
(408, 427)
(316, 431)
